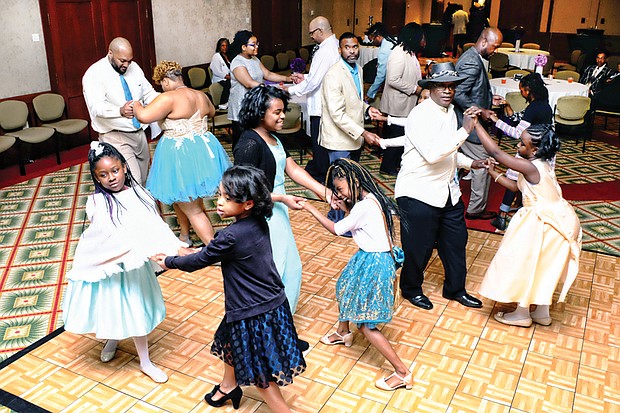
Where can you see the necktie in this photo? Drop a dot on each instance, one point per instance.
(128, 97)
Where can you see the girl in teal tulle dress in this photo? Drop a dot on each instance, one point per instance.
(365, 288)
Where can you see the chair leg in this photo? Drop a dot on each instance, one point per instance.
(20, 155)
(57, 142)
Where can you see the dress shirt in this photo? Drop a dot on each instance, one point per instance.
(382, 58)
(356, 76)
(104, 95)
(219, 68)
(431, 142)
(325, 57)
(460, 18)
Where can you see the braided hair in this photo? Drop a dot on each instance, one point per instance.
(358, 179)
(545, 139)
(100, 150)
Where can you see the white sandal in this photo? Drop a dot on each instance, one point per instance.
(347, 339)
(406, 382)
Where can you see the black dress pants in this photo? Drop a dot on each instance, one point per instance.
(318, 165)
(422, 228)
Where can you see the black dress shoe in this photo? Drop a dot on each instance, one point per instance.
(466, 300)
(234, 396)
(302, 345)
(421, 301)
(485, 215)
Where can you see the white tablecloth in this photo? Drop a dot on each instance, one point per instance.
(524, 59)
(367, 53)
(556, 87)
(303, 102)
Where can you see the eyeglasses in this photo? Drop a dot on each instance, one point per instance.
(312, 31)
(253, 44)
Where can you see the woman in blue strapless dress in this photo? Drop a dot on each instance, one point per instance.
(189, 161)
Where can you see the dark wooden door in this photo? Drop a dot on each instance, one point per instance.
(277, 25)
(394, 15)
(77, 34)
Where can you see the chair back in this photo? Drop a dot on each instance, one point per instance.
(268, 61)
(513, 72)
(215, 89)
(13, 115)
(197, 77)
(6, 142)
(574, 57)
(293, 116)
(517, 102)
(304, 54)
(507, 44)
(282, 59)
(467, 46)
(534, 46)
(498, 61)
(571, 110)
(291, 55)
(613, 61)
(565, 74)
(210, 73)
(49, 106)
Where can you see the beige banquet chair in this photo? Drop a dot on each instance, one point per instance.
(220, 120)
(6, 143)
(512, 72)
(572, 117)
(14, 122)
(268, 61)
(51, 110)
(565, 74)
(283, 61)
(292, 134)
(533, 46)
(198, 78)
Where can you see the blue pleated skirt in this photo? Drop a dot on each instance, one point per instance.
(365, 289)
(261, 349)
(187, 167)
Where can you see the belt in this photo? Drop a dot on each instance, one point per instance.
(125, 131)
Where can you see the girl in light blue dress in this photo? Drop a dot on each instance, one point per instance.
(113, 291)
(262, 115)
(365, 288)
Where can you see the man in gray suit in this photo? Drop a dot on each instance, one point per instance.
(476, 91)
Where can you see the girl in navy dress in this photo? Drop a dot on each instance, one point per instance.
(256, 340)
(365, 288)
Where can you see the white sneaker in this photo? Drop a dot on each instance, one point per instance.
(223, 106)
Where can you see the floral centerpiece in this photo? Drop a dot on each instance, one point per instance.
(298, 65)
(540, 61)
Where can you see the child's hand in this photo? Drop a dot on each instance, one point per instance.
(293, 201)
(491, 163)
(159, 259)
(183, 251)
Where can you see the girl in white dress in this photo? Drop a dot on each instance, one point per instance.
(113, 291)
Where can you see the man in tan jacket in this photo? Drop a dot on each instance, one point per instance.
(342, 130)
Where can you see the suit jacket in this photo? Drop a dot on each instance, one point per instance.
(476, 89)
(401, 82)
(342, 110)
(595, 81)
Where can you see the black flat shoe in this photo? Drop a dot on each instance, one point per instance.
(234, 395)
(499, 222)
(421, 301)
(466, 300)
(302, 345)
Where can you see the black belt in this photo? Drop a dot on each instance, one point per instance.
(125, 131)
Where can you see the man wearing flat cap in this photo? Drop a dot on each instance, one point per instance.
(427, 192)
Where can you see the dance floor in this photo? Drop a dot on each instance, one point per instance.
(462, 359)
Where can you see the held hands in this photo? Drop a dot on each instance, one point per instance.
(377, 115)
(126, 110)
(297, 77)
(371, 138)
(470, 118)
(159, 259)
(293, 201)
(498, 100)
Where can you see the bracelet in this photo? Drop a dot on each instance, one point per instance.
(498, 176)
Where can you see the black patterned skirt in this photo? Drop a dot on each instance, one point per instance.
(261, 349)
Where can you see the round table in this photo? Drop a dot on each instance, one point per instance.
(524, 59)
(367, 53)
(556, 87)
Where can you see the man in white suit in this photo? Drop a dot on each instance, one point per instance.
(342, 130)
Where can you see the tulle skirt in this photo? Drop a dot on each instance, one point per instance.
(187, 167)
(261, 349)
(365, 289)
(127, 304)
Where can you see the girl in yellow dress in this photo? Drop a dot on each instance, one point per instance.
(542, 244)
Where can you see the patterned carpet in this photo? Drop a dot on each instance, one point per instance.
(41, 221)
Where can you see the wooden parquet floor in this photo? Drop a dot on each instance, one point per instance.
(462, 359)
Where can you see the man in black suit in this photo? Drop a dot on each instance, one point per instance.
(476, 91)
(595, 75)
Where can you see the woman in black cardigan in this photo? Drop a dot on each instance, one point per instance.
(262, 114)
